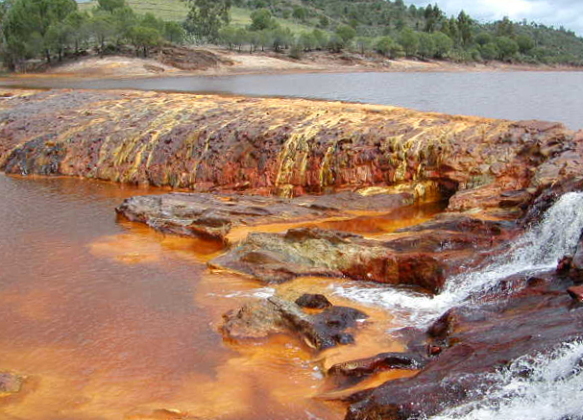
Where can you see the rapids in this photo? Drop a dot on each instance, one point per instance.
(537, 250)
(552, 390)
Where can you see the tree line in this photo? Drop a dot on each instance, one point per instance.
(50, 30)
(395, 29)
(431, 35)
(53, 29)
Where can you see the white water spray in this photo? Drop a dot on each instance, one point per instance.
(537, 250)
(551, 389)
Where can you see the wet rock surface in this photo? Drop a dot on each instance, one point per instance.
(475, 340)
(260, 319)
(275, 258)
(279, 146)
(216, 215)
(378, 363)
(313, 301)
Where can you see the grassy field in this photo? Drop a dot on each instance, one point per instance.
(176, 10)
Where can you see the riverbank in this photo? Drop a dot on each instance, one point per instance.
(181, 61)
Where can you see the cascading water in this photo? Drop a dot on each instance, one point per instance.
(538, 249)
(552, 389)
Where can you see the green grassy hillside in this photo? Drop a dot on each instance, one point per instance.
(176, 10)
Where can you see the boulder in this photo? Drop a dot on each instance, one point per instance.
(311, 301)
(218, 216)
(260, 319)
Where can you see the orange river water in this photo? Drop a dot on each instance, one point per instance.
(110, 320)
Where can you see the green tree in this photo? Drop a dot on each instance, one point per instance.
(426, 47)
(281, 38)
(307, 41)
(206, 17)
(384, 45)
(102, 26)
(323, 21)
(409, 40)
(174, 32)
(363, 44)
(123, 20)
(29, 21)
(262, 19)
(110, 5)
(228, 36)
(265, 38)
(78, 22)
(443, 44)
(507, 48)
(346, 33)
(525, 43)
(335, 43)
(483, 38)
(242, 37)
(321, 38)
(433, 17)
(59, 37)
(143, 38)
(299, 13)
(505, 27)
(464, 24)
(489, 51)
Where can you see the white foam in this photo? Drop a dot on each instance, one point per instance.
(553, 389)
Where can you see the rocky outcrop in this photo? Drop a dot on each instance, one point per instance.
(284, 147)
(219, 216)
(419, 256)
(474, 341)
(274, 258)
(260, 319)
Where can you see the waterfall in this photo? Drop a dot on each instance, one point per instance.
(537, 250)
(553, 389)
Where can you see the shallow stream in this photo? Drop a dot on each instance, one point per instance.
(109, 319)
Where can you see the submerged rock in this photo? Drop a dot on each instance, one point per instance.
(258, 320)
(316, 252)
(10, 383)
(378, 363)
(218, 216)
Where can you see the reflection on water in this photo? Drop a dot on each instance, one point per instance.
(550, 96)
(111, 320)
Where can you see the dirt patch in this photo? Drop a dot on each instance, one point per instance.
(112, 66)
(190, 59)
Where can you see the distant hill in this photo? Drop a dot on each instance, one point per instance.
(376, 18)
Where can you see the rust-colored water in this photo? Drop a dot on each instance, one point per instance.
(110, 320)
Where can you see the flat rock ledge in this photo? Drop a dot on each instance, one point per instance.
(218, 216)
(420, 256)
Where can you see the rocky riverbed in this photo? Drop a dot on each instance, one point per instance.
(267, 176)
